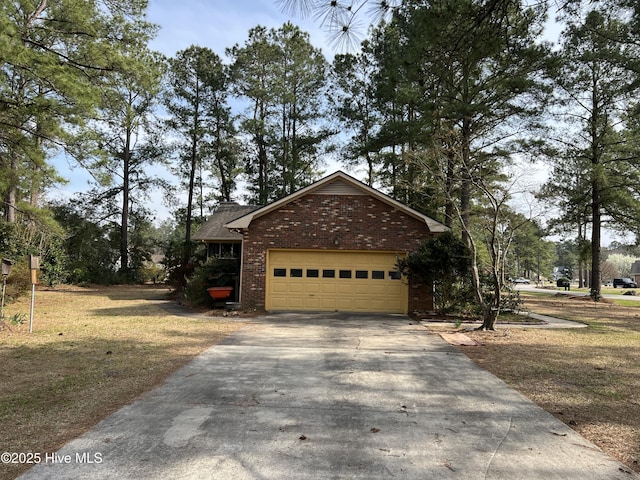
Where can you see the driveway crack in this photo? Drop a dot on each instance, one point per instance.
(495, 451)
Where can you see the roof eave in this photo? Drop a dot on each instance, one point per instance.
(244, 221)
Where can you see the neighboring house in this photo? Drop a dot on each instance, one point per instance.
(331, 246)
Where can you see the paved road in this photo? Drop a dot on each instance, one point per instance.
(332, 397)
(553, 291)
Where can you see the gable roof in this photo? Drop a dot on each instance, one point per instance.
(338, 183)
(214, 228)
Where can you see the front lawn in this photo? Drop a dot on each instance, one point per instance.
(92, 351)
(587, 377)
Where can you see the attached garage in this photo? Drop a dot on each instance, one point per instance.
(331, 246)
(335, 281)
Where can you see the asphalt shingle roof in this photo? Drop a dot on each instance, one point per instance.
(214, 229)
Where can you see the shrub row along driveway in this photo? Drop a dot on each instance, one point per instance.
(333, 396)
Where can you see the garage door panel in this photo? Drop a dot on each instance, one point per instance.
(364, 289)
(328, 303)
(328, 287)
(313, 288)
(279, 287)
(312, 304)
(347, 305)
(378, 288)
(331, 280)
(296, 303)
(279, 302)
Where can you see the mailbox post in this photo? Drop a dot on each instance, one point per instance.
(6, 270)
(34, 265)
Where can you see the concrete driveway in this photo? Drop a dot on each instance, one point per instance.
(331, 396)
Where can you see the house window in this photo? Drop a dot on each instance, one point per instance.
(377, 275)
(224, 250)
(345, 273)
(328, 274)
(313, 273)
(362, 274)
(279, 272)
(395, 275)
(296, 272)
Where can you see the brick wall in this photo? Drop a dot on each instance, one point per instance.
(329, 222)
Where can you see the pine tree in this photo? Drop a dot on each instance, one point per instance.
(596, 92)
(196, 103)
(282, 78)
(55, 56)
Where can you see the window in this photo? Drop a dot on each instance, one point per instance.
(328, 274)
(362, 274)
(395, 275)
(377, 275)
(279, 272)
(296, 272)
(345, 273)
(224, 250)
(312, 273)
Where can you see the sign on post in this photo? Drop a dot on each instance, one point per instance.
(6, 266)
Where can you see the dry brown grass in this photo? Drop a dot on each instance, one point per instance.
(92, 351)
(95, 350)
(589, 377)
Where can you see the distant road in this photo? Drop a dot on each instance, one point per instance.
(533, 288)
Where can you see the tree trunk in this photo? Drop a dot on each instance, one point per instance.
(263, 195)
(449, 209)
(465, 188)
(259, 116)
(596, 188)
(489, 318)
(225, 188)
(36, 175)
(187, 238)
(186, 253)
(595, 242)
(12, 194)
(580, 271)
(124, 216)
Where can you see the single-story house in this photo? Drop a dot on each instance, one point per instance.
(331, 246)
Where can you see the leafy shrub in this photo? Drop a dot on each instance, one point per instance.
(152, 273)
(19, 280)
(445, 261)
(510, 301)
(214, 273)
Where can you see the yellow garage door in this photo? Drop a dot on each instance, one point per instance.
(335, 281)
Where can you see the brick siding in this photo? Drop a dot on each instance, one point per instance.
(330, 222)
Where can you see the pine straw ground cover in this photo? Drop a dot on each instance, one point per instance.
(588, 377)
(92, 351)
